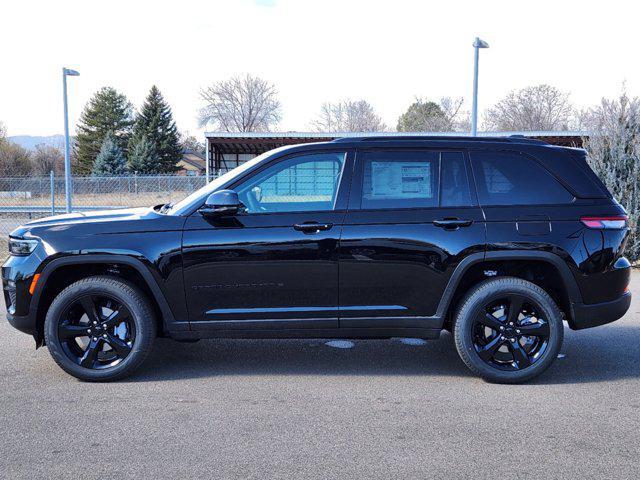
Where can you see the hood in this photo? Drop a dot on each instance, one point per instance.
(94, 216)
(99, 222)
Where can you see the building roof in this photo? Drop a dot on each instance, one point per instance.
(192, 158)
(332, 135)
(258, 142)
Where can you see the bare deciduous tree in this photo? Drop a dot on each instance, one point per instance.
(459, 119)
(348, 116)
(613, 148)
(47, 158)
(241, 104)
(14, 160)
(536, 108)
(190, 142)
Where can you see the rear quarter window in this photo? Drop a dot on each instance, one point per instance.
(510, 178)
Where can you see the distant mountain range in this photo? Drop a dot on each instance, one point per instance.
(29, 142)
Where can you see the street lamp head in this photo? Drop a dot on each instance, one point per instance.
(480, 43)
(70, 73)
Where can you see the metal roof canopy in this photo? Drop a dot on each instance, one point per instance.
(225, 143)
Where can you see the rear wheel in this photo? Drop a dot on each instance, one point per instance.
(100, 328)
(508, 330)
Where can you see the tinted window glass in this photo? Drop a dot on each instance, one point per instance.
(414, 179)
(304, 183)
(400, 179)
(454, 182)
(508, 178)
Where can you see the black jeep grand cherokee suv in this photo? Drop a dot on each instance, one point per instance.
(495, 239)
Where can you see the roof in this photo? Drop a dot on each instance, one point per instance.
(331, 135)
(259, 142)
(192, 158)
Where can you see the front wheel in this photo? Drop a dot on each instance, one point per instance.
(100, 328)
(508, 330)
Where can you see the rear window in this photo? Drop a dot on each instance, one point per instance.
(510, 178)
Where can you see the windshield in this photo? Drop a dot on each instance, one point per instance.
(200, 195)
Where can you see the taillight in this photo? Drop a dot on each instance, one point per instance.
(605, 222)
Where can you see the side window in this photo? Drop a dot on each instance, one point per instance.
(455, 184)
(396, 179)
(413, 179)
(508, 178)
(299, 184)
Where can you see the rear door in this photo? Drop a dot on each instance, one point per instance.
(413, 216)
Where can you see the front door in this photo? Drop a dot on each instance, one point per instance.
(412, 217)
(275, 265)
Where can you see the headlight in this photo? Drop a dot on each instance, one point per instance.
(20, 246)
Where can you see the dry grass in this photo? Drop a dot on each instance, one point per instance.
(96, 200)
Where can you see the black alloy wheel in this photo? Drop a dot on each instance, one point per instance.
(510, 333)
(100, 328)
(508, 330)
(97, 331)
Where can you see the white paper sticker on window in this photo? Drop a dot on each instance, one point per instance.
(401, 180)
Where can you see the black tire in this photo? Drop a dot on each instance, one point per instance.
(117, 342)
(494, 350)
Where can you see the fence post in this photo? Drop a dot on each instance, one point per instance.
(52, 179)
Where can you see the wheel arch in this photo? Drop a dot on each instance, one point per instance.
(47, 288)
(566, 294)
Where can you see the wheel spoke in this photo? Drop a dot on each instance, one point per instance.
(515, 307)
(121, 348)
(115, 318)
(539, 329)
(488, 351)
(71, 331)
(520, 356)
(89, 307)
(90, 354)
(490, 321)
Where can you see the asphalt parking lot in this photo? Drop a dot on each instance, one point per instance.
(303, 409)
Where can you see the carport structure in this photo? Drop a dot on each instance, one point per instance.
(227, 150)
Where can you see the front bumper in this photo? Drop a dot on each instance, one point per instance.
(24, 323)
(593, 315)
(17, 274)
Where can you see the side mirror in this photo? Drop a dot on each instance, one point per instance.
(223, 203)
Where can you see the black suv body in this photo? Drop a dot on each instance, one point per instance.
(495, 239)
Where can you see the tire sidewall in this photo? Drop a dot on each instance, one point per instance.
(122, 292)
(494, 290)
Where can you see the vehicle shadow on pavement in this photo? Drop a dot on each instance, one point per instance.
(172, 360)
(602, 354)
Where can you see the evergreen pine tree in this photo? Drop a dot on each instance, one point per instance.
(107, 111)
(110, 160)
(143, 157)
(155, 123)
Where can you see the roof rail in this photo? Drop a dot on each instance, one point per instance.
(459, 138)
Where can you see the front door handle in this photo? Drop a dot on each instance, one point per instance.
(452, 223)
(312, 227)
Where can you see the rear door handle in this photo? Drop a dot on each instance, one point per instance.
(452, 223)
(312, 227)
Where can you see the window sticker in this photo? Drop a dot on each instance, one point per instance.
(400, 180)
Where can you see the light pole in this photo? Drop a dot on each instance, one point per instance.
(477, 45)
(67, 155)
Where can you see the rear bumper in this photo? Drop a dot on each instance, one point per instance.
(592, 315)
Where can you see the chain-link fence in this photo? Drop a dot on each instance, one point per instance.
(26, 198)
